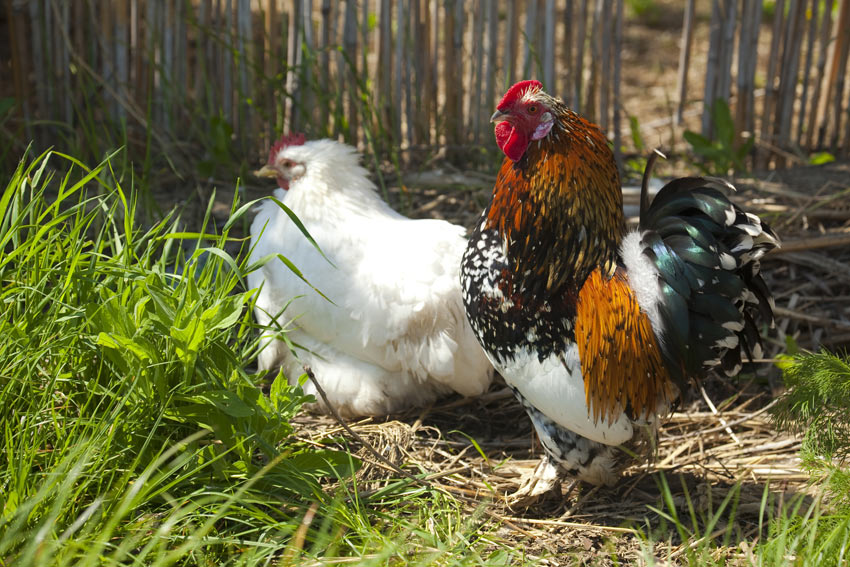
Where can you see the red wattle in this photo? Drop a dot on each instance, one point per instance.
(511, 141)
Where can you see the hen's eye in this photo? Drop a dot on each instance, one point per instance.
(532, 109)
(287, 163)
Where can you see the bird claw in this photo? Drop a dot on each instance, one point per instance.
(537, 485)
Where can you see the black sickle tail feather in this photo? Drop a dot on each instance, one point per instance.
(707, 251)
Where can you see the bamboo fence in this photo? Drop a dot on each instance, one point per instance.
(408, 74)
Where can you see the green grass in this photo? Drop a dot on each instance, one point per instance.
(134, 429)
(803, 530)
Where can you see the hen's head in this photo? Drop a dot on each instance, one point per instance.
(285, 162)
(524, 114)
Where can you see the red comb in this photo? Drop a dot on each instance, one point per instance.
(517, 91)
(285, 141)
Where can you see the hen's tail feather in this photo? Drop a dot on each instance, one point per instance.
(707, 251)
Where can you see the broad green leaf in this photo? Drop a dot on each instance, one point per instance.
(119, 342)
(225, 313)
(226, 401)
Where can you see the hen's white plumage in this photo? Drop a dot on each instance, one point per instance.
(396, 334)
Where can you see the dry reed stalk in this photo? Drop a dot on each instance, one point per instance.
(591, 109)
(366, 47)
(201, 60)
(421, 47)
(151, 53)
(812, 243)
(618, 50)
(385, 62)
(566, 60)
(730, 21)
(247, 127)
(512, 28)
(309, 110)
(168, 65)
(846, 151)
(20, 63)
(450, 74)
(605, 34)
(839, 71)
(399, 62)
(325, 66)
(747, 62)
(762, 157)
(549, 47)
(52, 32)
(715, 73)
(293, 62)
(811, 34)
(108, 46)
(410, 50)
(434, 71)
(340, 69)
(62, 61)
(185, 14)
(228, 63)
(271, 37)
(685, 46)
(579, 61)
(349, 42)
(492, 55)
(37, 55)
(817, 101)
(79, 33)
(789, 72)
(413, 74)
(478, 47)
(528, 39)
(459, 92)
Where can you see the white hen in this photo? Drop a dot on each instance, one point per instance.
(395, 335)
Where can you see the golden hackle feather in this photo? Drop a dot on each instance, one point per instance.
(620, 359)
(548, 204)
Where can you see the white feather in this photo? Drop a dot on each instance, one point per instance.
(396, 327)
(555, 387)
(643, 279)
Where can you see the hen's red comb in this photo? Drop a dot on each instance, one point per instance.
(517, 91)
(285, 141)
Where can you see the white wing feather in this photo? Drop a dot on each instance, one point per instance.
(555, 387)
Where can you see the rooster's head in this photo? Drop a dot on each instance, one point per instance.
(282, 166)
(524, 114)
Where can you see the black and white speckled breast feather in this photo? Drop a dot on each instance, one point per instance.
(506, 319)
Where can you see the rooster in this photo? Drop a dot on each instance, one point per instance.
(596, 329)
(391, 330)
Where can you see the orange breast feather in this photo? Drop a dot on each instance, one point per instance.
(620, 358)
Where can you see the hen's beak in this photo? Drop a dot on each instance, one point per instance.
(267, 171)
(499, 116)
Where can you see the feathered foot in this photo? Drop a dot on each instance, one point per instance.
(544, 481)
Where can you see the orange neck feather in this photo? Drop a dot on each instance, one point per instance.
(559, 208)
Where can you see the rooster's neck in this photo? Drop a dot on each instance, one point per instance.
(559, 209)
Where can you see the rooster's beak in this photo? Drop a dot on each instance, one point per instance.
(267, 171)
(499, 116)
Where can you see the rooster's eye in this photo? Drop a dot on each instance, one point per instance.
(532, 109)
